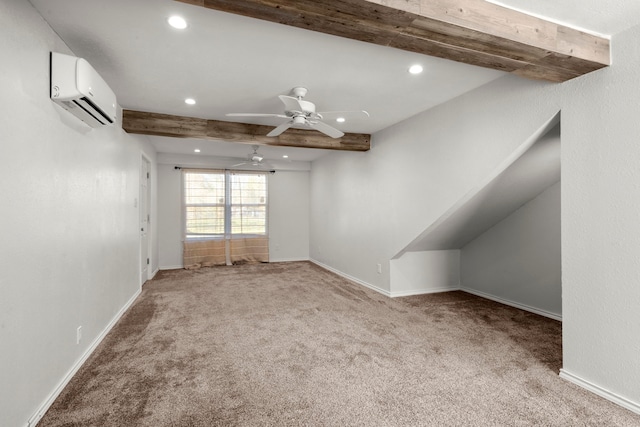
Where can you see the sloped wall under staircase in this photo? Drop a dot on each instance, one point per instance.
(466, 238)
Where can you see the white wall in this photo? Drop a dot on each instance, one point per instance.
(69, 251)
(288, 211)
(600, 232)
(169, 217)
(289, 216)
(367, 207)
(518, 260)
(425, 272)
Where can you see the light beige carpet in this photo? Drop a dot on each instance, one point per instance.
(293, 345)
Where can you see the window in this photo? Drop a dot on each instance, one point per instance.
(204, 201)
(248, 204)
(224, 204)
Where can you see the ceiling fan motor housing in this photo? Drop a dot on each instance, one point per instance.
(307, 109)
(300, 114)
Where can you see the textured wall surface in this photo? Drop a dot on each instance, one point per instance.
(518, 259)
(365, 208)
(289, 216)
(169, 217)
(70, 227)
(425, 272)
(600, 230)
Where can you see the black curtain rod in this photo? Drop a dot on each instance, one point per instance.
(272, 171)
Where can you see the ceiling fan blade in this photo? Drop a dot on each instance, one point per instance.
(277, 131)
(239, 164)
(291, 103)
(262, 165)
(326, 129)
(346, 114)
(254, 115)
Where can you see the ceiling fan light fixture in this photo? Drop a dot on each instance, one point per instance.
(253, 159)
(177, 22)
(190, 101)
(197, 150)
(341, 120)
(302, 114)
(416, 69)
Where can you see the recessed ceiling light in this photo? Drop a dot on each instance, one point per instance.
(177, 22)
(340, 120)
(285, 156)
(415, 69)
(197, 150)
(190, 101)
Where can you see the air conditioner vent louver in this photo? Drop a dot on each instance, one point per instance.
(91, 108)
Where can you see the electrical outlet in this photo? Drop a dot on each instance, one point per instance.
(379, 268)
(78, 334)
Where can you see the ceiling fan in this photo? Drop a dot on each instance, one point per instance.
(253, 159)
(302, 114)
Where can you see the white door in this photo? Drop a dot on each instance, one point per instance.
(144, 220)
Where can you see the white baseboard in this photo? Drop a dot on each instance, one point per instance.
(524, 307)
(153, 274)
(178, 267)
(602, 392)
(288, 259)
(351, 278)
(397, 294)
(171, 267)
(44, 407)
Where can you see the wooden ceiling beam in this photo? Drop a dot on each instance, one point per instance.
(470, 31)
(145, 123)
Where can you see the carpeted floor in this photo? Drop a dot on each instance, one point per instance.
(291, 344)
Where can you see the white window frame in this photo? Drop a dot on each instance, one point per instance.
(228, 204)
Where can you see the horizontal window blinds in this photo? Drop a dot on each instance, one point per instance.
(225, 217)
(248, 204)
(204, 202)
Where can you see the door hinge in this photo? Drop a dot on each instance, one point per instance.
(147, 261)
(148, 175)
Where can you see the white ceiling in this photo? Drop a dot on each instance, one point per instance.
(230, 63)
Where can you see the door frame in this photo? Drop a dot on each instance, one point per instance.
(141, 189)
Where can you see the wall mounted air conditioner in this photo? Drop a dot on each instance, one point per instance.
(78, 88)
